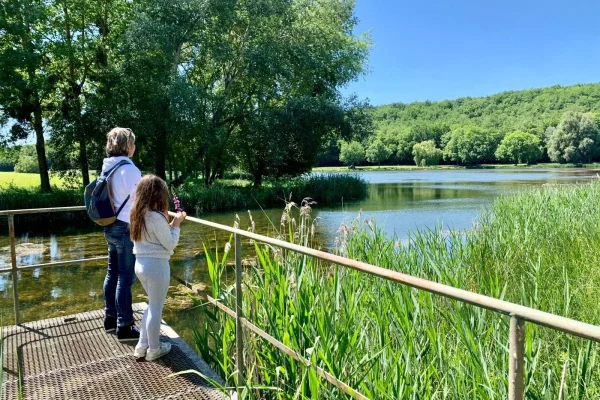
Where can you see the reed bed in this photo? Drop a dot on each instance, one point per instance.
(539, 248)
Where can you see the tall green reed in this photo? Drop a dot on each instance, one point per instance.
(390, 341)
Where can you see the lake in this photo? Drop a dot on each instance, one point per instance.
(399, 201)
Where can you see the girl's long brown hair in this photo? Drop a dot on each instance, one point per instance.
(151, 194)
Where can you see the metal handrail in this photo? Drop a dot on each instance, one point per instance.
(518, 314)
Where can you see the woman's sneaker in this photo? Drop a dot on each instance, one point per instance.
(152, 355)
(127, 333)
(140, 352)
(110, 323)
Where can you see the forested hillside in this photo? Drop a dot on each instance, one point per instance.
(487, 121)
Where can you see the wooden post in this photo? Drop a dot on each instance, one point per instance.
(239, 337)
(516, 359)
(14, 271)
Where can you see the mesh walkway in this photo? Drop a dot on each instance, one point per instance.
(73, 358)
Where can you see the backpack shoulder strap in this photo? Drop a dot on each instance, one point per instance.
(108, 173)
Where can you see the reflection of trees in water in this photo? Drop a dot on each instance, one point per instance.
(411, 193)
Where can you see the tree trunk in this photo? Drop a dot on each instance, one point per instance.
(83, 158)
(160, 154)
(257, 179)
(206, 172)
(40, 147)
(73, 101)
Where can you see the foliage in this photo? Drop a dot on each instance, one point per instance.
(26, 83)
(27, 162)
(530, 111)
(519, 147)
(378, 152)
(202, 83)
(425, 153)
(9, 157)
(325, 189)
(575, 139)
(286, 141)
(13, 198)
(535, 111)
(388, 340)
(352, 153)
(470, 145)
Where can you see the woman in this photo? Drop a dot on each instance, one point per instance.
(120, 146)
(154, 240)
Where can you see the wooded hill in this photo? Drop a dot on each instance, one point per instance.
(535, 111)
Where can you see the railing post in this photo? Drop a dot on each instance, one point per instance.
(14, 271)
(239, 337)
(516, 359)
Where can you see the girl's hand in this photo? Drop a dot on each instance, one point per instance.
(178, 219)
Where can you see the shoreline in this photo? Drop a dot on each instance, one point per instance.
(372, 168)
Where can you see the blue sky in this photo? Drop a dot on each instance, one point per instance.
(444, 49)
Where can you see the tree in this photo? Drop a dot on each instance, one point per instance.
(352, 153)
(470, 145)
(418, 133)
(575, 139)
(519, 147)
(27, 162)
(378, 152)
(25, 84)
(9, 156)
(425, 153)
(79, 32)
(241, 84)
(285, 141)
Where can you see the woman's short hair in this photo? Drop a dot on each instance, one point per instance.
(118, 140)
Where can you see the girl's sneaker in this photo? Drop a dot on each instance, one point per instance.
(152, 355)
(140, 352)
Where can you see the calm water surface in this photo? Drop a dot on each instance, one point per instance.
(399, 201)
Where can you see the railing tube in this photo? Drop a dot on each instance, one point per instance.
(239, 337)
(14, 270)
(516, 359)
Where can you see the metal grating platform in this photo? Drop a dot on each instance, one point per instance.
(73, 358)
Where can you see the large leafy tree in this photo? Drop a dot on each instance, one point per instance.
(378, 152)
(213, 69)
(470, 145)
(519, 147)
(575, 139)
(426, 153)
(80, 43)
(352, 153)
(286, 141)
(25, 83)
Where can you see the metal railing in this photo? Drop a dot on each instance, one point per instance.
(518, 314)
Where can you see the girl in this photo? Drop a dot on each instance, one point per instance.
(153, 242)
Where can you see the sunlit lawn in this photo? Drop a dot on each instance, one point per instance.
(21, 180)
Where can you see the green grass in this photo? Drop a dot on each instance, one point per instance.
(452, 167)
(21, 180)
(388, 341)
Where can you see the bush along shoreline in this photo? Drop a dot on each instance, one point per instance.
(391, 341)
(324, 189)
(196, 198)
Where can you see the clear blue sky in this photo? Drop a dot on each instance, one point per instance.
(444, 49)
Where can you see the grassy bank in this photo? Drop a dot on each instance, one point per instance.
(229, 195)
(539, 249)
(454, 167)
